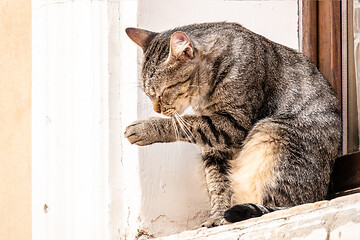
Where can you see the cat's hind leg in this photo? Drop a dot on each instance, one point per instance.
(246, 211)
(255, 175)
(275, 169)
(253, 170)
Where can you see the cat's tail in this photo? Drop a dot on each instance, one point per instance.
(245, 211)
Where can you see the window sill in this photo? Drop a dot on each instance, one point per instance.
(335, 219)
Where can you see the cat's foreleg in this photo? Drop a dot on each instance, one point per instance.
(217, 131)
(216, 172)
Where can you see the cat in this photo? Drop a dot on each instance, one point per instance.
(267, 121)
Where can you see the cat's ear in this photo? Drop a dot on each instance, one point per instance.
(181, 47)
(141, 37)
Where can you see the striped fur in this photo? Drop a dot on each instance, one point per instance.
(219, 187)
(268, 122)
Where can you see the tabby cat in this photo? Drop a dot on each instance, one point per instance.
(266, 119)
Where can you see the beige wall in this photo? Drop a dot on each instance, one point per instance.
(15, 119)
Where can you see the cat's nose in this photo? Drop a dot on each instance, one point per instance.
(156, 106)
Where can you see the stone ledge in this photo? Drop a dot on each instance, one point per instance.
(335, 219)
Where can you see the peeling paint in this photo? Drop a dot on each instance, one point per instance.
(46, 208)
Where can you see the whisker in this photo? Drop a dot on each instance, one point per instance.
(181, 126)
(188, 127)
(177, 134)
(184, 121)
(185, 127)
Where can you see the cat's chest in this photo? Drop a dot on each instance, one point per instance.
(200, 106)
(205, 106)
(198, 110)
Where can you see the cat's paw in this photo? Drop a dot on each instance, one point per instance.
(243, 212)
(140, 133)
(214, 222)
(149, 131)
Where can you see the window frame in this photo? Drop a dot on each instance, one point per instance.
(325, 41)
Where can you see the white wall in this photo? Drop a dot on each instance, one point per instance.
(276, 20)
(85, 92)
(70, 120)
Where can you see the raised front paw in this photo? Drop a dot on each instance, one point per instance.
(139, 133)
(146, 132)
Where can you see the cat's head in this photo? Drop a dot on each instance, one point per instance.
(168, 69)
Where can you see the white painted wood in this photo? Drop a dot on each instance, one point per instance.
(335, 219)
(125, 206)
(70, 120)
